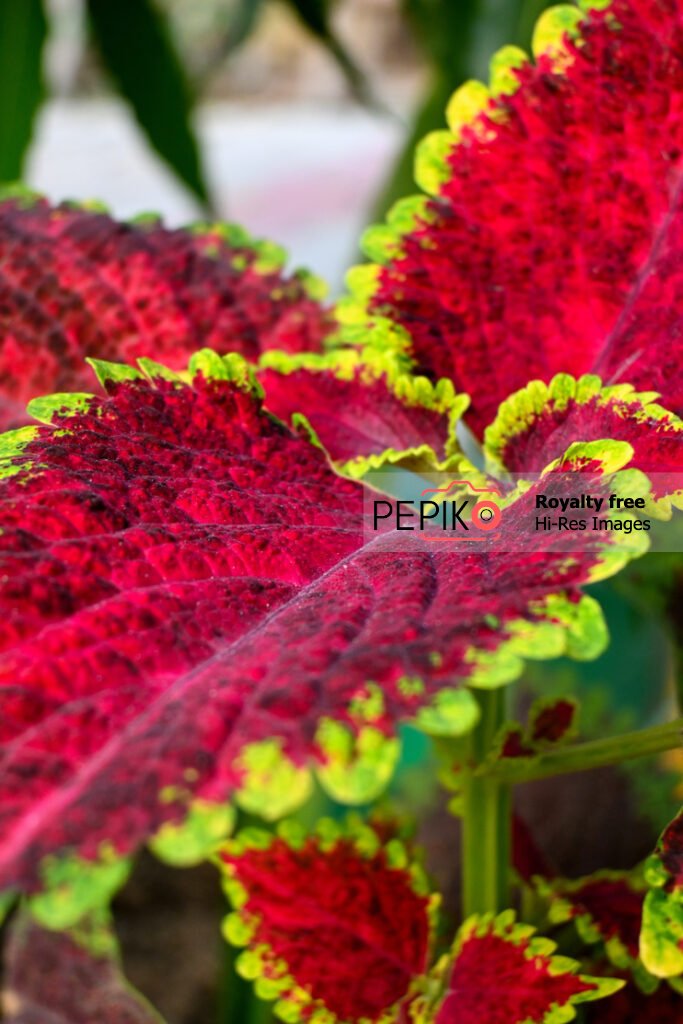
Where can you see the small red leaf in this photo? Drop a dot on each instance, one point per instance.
(607, 908)
(363, 409)
(332, 922)
(538, 423)
(552, 721)
(503, 974)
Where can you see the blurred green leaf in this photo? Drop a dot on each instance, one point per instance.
(136, 47)
(530, 12)
(446, 31)
(315, 15)
(241, 24)
(23, 30)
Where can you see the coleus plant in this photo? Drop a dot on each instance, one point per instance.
(194, 613)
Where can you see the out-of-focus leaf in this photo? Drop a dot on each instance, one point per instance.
(138, 51)
(68, 978)
(314, 14)
(241, 23)
(75, 284)
(446, 29)
(22, 34)
(661, 936)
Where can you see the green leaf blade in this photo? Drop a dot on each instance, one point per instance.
(23, 30)
(138, 51)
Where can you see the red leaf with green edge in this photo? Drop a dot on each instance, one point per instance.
(550, 239)
(191, 608)
(337, 926)
(75, 283)
(661, 937)
(538, 423)
(500, 972)
(362, 408)
(551, 722)
(607, 907)
(512, 743)
(631, 1006)
(60, 978)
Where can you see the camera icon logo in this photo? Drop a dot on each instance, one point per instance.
(486, 515)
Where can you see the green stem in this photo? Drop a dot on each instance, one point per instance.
(486, 819)
(584, 756)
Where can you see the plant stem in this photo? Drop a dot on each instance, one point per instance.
(486, 819)
(584, 756)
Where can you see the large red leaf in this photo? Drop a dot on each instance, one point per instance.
(74, 283)
(501, 973)
(182, 577)
(56, 978)
(552, 241)
(333, 921)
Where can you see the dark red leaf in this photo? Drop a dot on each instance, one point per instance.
(631, 1006)
(553, 721)
(607, 908)
(538, 423)
(528, 859)
(74, 283)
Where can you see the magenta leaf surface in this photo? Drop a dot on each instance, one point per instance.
(187, 592)
(75, 283)
(551, 240)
